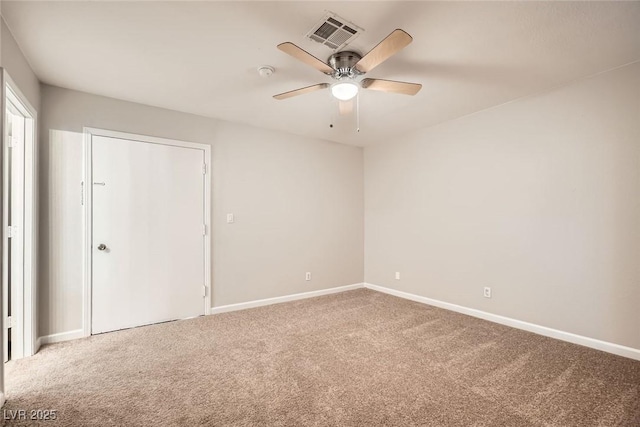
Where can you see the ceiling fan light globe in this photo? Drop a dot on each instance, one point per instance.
(344, 91)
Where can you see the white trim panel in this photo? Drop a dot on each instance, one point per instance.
(286, 298)
(608, 347)
(87, 230)
(62, 336)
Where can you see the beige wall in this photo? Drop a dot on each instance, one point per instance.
(3, 24)
(538, 199)
(2, 296)
(14, 62)
(298, 204)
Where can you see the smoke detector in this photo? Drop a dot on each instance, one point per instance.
(334, 32)
(265, 71)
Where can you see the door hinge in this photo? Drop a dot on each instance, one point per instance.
(12, 231)
(204, 229)
(204, 168)
(13, 141)
(204, 291)
(8, 322)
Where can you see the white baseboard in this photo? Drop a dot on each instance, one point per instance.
(620, 350)
(62, 336)
(38, 345)
(286, 298)
(79, 333)
(608, 347)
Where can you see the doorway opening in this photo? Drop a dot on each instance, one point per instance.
(18, 225)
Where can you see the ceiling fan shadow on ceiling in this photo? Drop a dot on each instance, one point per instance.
(347, 67)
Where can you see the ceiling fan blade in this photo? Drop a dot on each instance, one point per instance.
(391, 86)
(345, 107)
(388, 47)
(304, 56)
(301, 91)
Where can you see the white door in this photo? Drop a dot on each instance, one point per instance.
(13, 242)
(147, 231)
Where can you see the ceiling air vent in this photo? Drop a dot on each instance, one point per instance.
(334, 32)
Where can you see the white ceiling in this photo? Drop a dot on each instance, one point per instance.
(201, 57)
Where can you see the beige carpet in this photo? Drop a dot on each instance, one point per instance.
(359, 358)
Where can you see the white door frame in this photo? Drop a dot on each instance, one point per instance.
(25, 320)
(87, 203)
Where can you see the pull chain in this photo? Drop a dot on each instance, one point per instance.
(358, 112)
(336, 112)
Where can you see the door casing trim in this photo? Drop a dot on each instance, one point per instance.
(87, 202)
(26, 323)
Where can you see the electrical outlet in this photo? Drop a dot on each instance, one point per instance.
(487, 292)
(307, 276)
(397, 275)
(229, 218)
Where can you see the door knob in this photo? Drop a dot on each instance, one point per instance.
(102, 247)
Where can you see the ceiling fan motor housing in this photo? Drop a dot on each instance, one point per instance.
(344, 65)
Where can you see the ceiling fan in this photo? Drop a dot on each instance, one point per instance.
(346, 66)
